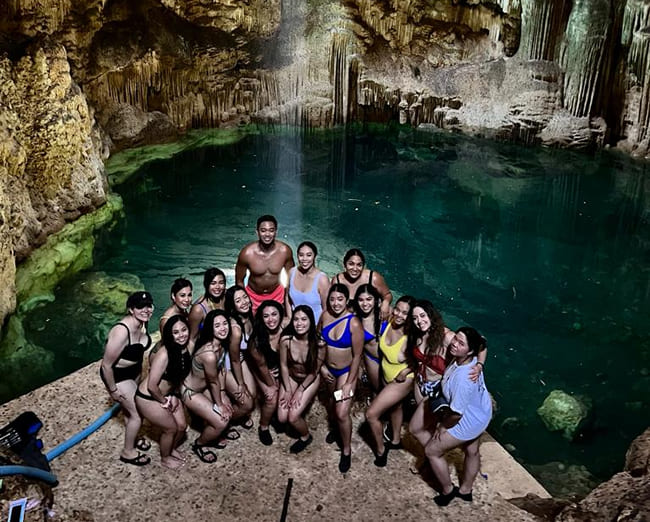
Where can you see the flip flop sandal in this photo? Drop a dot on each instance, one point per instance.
(205, 455)
(231, 434)
(248, 424)
(140, 460)
(143, 444)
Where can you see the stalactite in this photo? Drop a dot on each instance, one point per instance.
(338, 69)
(543, 25)
(54, 10)
(636, 21)
(583, 54)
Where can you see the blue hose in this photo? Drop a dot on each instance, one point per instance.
(47, 476)
(66, 445)
(30, 472)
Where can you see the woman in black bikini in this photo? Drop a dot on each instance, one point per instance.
(214, 283)
(302, 352)
(181, 295)
(343, 333)
(355, 274)
(264, 350)
(121, 367)
(157, 397)
(209, 373)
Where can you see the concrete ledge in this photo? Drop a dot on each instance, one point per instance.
(249, 480)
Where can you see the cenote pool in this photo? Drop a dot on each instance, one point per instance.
(544, 251)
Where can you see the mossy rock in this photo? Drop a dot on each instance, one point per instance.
(65, 253)
(563, 412)
(109, 293)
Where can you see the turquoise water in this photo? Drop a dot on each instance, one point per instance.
(546, 252)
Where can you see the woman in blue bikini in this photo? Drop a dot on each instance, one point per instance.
(343, 333)
(367, 304)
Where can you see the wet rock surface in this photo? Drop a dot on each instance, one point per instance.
(249, 480)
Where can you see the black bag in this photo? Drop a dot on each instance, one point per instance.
(437, 401)
(20, 437)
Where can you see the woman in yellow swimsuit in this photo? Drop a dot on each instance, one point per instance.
(397, 377)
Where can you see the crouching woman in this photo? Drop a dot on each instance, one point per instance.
(471, 412)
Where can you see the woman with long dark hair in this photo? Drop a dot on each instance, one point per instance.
(397, 378)
(367, 304)
(307, 284)
(214, 285)
(264, 349)
(181, 296)
(302, 352)
(208, 372)
(355, 273)
(157, 397)
(343, 334)
(240, 382)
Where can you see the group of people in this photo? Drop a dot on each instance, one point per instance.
(259, 343)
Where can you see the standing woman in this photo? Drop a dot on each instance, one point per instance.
(356, 274)
(367, 302)
(471, 412)
(208, 372)
(264, 349)
(181, 294)
(343, 333)
(121, 367)
(302, 352)
(397, 376)
(214, 283)
(240, 382)
(157, 397)
(307, 284)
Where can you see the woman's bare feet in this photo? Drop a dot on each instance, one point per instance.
(172, 462)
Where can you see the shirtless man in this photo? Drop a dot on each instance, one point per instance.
(264, 259)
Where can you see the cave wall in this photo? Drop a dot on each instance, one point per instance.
(82, 78)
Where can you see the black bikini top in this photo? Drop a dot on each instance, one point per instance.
(133, 352)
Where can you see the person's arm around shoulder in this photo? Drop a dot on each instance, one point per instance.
(478, 368)
(386, 296)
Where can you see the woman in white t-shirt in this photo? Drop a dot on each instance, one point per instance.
(471, 412)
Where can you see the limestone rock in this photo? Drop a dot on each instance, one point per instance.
(563, 412)
(622, 498)
(637, 458)
(66, 252)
